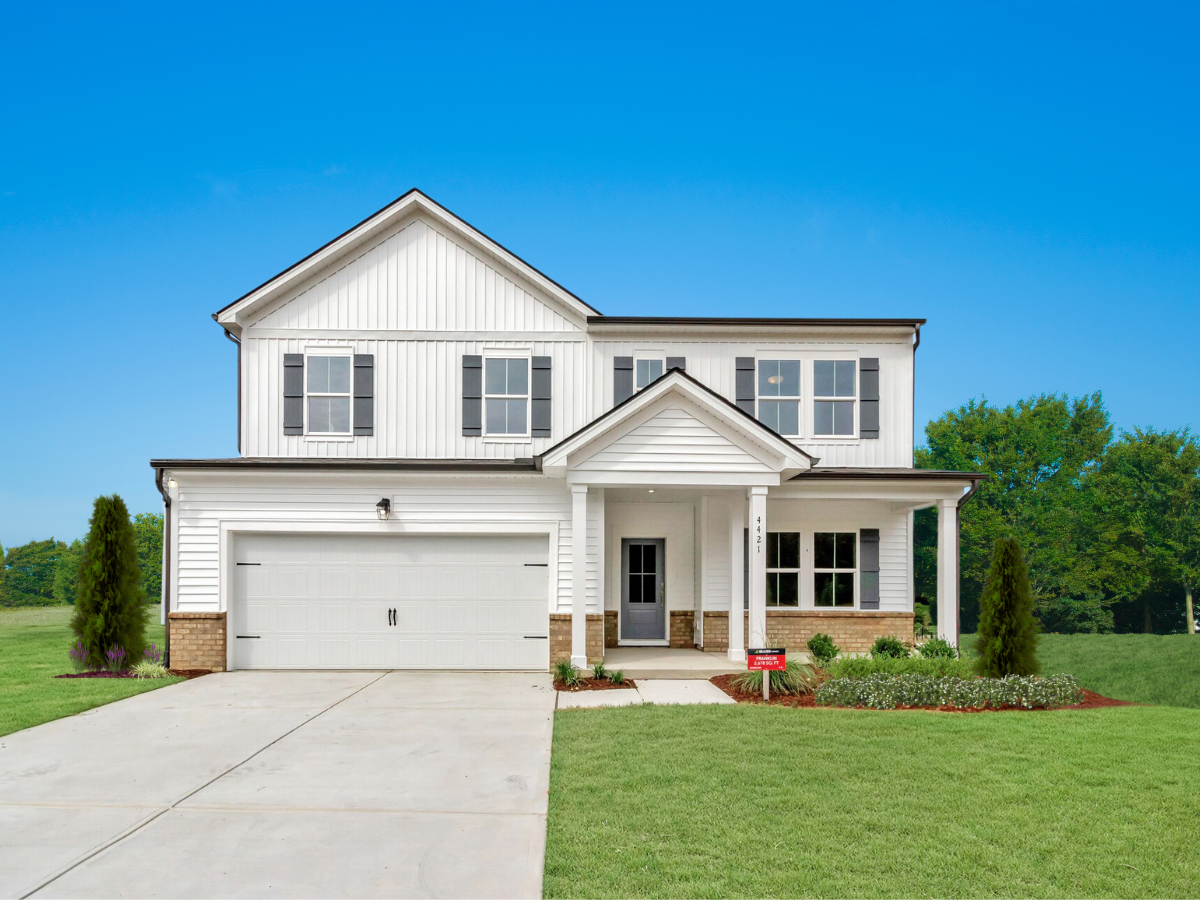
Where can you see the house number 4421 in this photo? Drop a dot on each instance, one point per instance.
(758, 535)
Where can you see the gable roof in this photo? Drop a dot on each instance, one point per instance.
(376, 223)
(752, 435)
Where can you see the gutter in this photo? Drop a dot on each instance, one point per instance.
(229, 334)
(166, 565)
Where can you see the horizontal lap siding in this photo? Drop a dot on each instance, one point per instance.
(202, 505)
(673, 441)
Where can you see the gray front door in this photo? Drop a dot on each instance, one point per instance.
(643, 606)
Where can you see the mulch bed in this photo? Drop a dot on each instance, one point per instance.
(1091, 700)
(596, 684)
(104, 673)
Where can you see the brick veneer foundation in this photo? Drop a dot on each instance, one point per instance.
(853, 631)
(197, 640)
(560, 637)
(683, 628)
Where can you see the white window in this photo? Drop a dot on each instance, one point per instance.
(328, 394)
(783, 568)
(835, 561)
(646, 371)
(779, 395)
(506, 395)
(834, 393)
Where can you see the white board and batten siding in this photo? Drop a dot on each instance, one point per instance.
(208, 502)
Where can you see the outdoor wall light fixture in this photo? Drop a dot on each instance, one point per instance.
(383, 509)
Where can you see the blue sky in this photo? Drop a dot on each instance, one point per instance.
(1023, 175)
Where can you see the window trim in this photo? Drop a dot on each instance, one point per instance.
(346, 353)
(799, 397)
(648, 356)
(525, 437)
(819, 571)
(854, 401)
(787, 570)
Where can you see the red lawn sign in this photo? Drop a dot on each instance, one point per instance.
(768, 660)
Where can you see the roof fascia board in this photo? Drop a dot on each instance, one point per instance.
(684, 324)
(407, 204)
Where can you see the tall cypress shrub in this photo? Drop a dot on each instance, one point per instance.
(1008, 631)
(108, 597)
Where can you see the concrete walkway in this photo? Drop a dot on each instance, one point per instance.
(306, 784)
(649, 690)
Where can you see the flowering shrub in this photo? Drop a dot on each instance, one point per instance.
(114, 658)
(149, 669)
(79, 657)
(153, 654)
(861, 667)
(891, 691)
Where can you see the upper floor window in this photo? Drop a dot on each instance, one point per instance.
(506, 395)
(833, 397)
(328, 394)
(834, 564)
(646, 371)
(779, 395)
(783, 568)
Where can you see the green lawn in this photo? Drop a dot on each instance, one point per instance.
(33, 649)
(744, 801)
(1144, 668)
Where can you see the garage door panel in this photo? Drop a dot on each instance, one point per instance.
(324, 601)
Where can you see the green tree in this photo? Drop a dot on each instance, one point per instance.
(148, 534)
(108, 604)
(29, 573)
(1146, 495)
(66, 572)
(1008, 632)
(1038, 455)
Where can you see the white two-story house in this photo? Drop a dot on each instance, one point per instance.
(448, 460)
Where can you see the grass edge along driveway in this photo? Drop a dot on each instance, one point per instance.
(33, 649)
(744, 801)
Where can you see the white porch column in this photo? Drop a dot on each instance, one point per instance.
(579, 576)
(947, 571)
(737, 594)
(758, 566)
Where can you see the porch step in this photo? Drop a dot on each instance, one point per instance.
(669, 663)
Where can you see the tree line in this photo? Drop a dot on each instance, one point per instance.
(1109, 524)
(46, 573)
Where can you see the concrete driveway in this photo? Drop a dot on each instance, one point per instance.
(306, 784)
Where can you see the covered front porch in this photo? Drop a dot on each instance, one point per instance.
(694, 527)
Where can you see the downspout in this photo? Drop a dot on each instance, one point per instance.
(166, 565)
(971, 492)
(229, 334)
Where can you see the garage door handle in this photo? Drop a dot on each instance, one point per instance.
(537, 637)
(536, 565)
(249, 637)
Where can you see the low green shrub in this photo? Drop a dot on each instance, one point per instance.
(937, 648)
(617, 677)
(566, 674)
(822, 648)
(935, 667)
(892, 691)
(797, 678)
(598, 670)
(147, 668)
(888, 646)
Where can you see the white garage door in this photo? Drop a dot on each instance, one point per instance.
(419, 602)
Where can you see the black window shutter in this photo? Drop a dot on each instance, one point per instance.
(868, 398)
(676, 362)
(743, 386)
(472, 395)
(364, 393)
(622, 379)
(868, 568)
(293, 393)
(540, 397)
